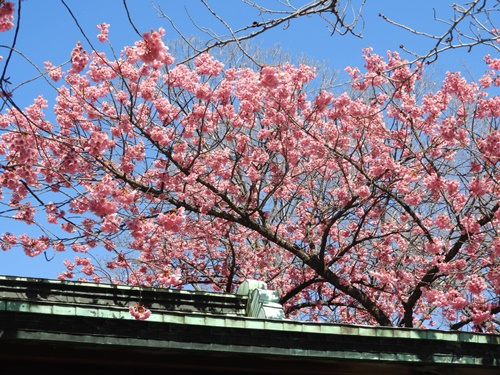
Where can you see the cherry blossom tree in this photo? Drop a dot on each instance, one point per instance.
(375, 207)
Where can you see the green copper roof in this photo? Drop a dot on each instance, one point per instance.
(97, 314)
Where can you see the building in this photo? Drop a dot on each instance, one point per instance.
(83, 328)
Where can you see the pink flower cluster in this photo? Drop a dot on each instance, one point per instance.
(98, 143)
(104, 31)
(207, 65)
(151, 49)
(6, 15)
(139, 312)
(55, 73)
(79, 59)
(171, 221)
(269, 77)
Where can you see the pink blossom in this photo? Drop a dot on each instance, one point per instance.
(475, 284)
(203, 91)
(79, 59)
(103, 207)
(323, 99)
(479, 317)
(55, 73)
(478, 187)
(207, 65)
(100, 70)
(7, 241)
(413, 199)
(443, 221)
(434, 247)
(26, 213)
(486, 80)
(139, 312)
(491, 145)
(363, 192)
(456, 85)
(493, 63)
(111, 223)
(59, 246)
(269, 77)
(87, 267)
(68, 227)
(433, 182)
(104, 31)
(470, 225)
(456, 300)
(171, 221)
(69, 265)
(79, 248)
(33, 247)
(98, 143)
(152, 49)
(6, 15)
(66, 275)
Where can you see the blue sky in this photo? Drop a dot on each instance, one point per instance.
(48, 32)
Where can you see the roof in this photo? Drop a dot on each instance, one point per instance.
(48, 324)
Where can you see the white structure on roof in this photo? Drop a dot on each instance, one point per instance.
(262, 302)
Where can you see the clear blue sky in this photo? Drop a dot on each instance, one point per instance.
(49, 33)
